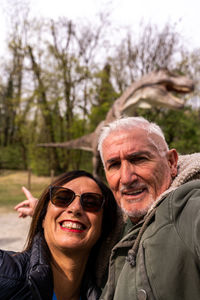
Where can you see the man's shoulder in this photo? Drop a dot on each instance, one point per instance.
(186, 191)
(182, 205)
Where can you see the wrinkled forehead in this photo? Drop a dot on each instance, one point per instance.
(137, 138)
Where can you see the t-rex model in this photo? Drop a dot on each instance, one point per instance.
(153, 89)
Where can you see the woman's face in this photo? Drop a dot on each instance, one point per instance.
(73, 228)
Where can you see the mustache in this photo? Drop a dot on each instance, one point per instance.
(134, 185)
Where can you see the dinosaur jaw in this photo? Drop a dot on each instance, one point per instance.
(151, 96)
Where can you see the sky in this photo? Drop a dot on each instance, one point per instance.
(186, 13)
(130, 12)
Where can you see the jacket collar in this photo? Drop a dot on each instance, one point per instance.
(188, 170)
(40, 274)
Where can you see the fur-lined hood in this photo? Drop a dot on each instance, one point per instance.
(188, 169)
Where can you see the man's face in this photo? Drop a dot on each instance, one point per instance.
(136, 171)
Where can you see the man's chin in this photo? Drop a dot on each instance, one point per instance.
(136, 213)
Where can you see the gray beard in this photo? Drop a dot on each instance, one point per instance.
(138, 213)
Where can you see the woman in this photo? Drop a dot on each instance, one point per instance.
(71, 220)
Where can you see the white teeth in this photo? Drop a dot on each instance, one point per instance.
(72, 225)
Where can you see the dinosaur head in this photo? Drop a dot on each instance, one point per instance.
(156, 89)
(174, 82)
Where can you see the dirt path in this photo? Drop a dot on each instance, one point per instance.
(13, 231)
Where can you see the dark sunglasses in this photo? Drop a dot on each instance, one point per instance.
(63, 197)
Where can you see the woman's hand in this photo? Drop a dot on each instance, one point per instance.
(26, 207)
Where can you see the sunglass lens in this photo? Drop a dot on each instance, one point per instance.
(92, 202)
(62, 197)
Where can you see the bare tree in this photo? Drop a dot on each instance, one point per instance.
(149, 50)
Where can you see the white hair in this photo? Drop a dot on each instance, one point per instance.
(130, 123)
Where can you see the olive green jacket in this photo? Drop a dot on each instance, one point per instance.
(159, 258)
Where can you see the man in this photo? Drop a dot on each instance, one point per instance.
(159, 255)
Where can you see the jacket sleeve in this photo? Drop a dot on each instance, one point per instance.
(11, 275)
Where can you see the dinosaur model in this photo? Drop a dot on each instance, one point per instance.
(154, 89)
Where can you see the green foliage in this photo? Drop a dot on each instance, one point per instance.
(181, 128)
(80, 159)
(105, 96)
(79, 127)
(55, 89)
(40, 160)
(11, 158)
(98, 114)
(182, 131)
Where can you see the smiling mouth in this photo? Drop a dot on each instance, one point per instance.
(72, 225)
(133, 192)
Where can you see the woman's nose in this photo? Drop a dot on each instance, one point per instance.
(75, 206)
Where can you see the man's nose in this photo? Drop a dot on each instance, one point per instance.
(127, 173)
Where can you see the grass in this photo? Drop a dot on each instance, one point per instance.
(11, 183)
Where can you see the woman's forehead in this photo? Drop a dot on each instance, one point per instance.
(83, 184)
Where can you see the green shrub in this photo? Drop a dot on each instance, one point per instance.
(11, 158)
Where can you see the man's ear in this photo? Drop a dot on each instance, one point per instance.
(172, 157)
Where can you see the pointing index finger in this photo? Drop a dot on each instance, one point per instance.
(27, 193)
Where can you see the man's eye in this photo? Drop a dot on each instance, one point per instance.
(142, 158)
(114, 165)
(138, 159)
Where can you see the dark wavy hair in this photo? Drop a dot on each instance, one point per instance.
(109, 208)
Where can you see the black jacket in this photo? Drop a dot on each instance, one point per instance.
(28, 275)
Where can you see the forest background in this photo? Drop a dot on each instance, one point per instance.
(60, 77)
